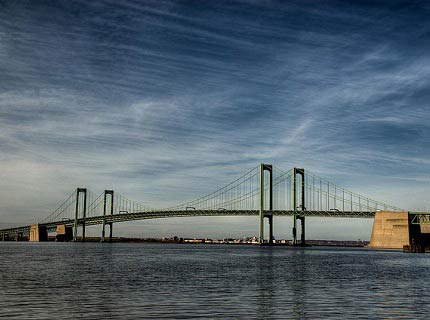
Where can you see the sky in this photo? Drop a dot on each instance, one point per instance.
(165, 101)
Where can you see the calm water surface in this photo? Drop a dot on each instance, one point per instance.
(169, 281)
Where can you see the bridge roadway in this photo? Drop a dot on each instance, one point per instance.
(132, 216)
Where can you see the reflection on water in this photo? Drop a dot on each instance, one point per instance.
(129, 281)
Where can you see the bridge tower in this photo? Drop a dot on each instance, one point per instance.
(266, 167)
(84, 212)
(105, 203)
(300, 207)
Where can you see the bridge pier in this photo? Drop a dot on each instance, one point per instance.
(105, 201)
(38, 233)
(266, 167)
(302, 235)
(391, 230)
(102, 238)
(271, 237)
(301, 206)
(110, 231)
(64, 233)
(294, 242)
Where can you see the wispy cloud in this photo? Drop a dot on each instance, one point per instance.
(164, 101)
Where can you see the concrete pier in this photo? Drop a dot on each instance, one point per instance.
(38, 233)
(393, 230)
(390, 230)
(64, 233)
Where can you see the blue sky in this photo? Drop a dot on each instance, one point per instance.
(164, 101)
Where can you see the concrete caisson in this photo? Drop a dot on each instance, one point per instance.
(391, 230)
(64, 233)
(38, 233)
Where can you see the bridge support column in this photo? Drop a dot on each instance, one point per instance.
(84, 215)
(266, 167)
(301, 207)
(110, 231)
(75, 225)
(271, 237)
(64, 233)
(111, 193)
(391, 230)
(302, 236)
(38, 233)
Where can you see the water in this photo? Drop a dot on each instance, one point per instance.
(170, 281)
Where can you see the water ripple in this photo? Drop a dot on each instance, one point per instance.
(148, 281)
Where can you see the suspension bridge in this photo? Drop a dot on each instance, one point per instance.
(265, 191)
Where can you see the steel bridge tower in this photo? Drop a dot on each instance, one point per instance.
(263, 168)
(105, 203)
(297, 209)
(84, 211)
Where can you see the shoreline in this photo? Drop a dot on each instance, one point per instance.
(186, 241)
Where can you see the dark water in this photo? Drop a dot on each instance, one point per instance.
(129, 281)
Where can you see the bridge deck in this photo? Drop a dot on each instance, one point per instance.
(132, 216)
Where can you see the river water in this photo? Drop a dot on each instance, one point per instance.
(173, 281)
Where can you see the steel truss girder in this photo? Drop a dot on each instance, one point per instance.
(421, 218)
